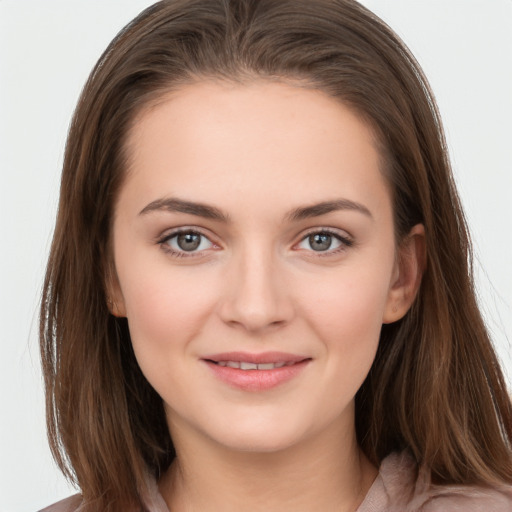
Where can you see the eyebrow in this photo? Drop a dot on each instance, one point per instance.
(182, 206)
(211, 212)
(316, 210)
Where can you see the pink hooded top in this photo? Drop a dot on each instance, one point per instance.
(396, 489)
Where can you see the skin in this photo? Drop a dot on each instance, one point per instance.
(256, 153)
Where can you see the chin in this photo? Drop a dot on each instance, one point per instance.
(260, 436)
(261, 443)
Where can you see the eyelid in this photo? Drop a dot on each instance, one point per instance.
(342, 236)
(346, 240)
(171, 233)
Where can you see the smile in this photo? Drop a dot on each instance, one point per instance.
(256, 372)
(244, 365)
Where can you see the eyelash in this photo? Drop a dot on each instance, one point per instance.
(182, 253)
(345, 242)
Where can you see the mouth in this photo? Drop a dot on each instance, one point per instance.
(255, 361)
(245, 365)
(256, 372)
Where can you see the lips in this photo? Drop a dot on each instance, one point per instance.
(244, 365)
(256, 372)
(262, 358)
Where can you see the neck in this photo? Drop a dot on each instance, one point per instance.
(327, 472)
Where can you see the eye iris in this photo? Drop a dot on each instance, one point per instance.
(188, 241)
(320, 241)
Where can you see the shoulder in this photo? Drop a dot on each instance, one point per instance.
(401, 488)
(71, 504)
(467, 499)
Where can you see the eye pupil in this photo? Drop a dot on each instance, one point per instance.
(320, 241)
(188, 241)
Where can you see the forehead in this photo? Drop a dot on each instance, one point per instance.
(212, 137)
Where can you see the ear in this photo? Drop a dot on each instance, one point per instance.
(409, 267)
(114, 295)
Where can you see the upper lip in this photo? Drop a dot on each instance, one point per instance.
(261, 358)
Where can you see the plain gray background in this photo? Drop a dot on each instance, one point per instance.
(47, 48)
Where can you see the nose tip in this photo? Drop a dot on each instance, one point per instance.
(254, 319)
(256, 299)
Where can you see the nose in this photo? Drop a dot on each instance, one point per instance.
(256, 298)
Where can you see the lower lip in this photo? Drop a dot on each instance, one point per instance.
(257, 380)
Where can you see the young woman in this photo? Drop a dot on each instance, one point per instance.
(259, 293)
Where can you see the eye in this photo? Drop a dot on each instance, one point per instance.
(186, 242)
(324, 241)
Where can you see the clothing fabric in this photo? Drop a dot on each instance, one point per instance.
(397, 488)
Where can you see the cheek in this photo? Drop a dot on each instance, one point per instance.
(166, 313)
(346, 313)
(165, 306)
(159, 309)
(354, 303)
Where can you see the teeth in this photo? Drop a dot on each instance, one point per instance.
(242, 365)
(266, 366)
(248, 366)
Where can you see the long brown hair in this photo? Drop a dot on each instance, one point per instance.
(435, 387)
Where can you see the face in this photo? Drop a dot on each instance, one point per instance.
(256, 261)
